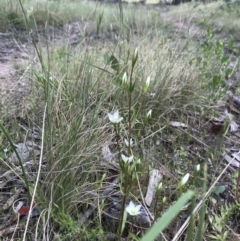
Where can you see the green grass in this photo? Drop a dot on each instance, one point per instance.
(58, 13)
(75, 88)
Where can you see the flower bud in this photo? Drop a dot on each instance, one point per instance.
(149, 114)
(104, 176)
(198, 168)
(127, 143)
(184, 179)
(135, 57)
(147, 84)
(160, 186)
(124, 79)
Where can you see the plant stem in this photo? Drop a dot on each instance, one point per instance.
(126, 181)
(130, 114)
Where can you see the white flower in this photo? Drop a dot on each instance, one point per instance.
(115, 117)
(133, 209)
(198, 168)
(149, 114)
(127, 159)
(126, 142)
(185, 179)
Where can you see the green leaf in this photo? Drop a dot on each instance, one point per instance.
(112, 61)
(218, 189)
(167, 217)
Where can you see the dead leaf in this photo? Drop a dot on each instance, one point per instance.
(164, 172)
(11, 200)
(178, 124)
(216, 128)
(233, 126)
(8, 230)
(23, 211)
(232, 106)
(236, 100)
(231, 160)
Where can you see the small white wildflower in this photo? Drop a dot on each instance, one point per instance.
(185, 179)
(149, 114)
(198, 168)
(127, 159)
(133, 209)
(115, 117)
(127, 143)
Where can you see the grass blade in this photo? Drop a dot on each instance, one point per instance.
(167, 217)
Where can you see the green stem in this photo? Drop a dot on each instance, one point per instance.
(122, 211)
(130, 114)
(126, 182)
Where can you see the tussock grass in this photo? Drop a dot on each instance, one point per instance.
(79, 93)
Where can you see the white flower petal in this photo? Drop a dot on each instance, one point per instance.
(130, 159)
(126, 142)
(116, 114)
(115, 117)
(127, 159)
(138, 207)
(132, 209)
(110, 117)
(124, 158)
